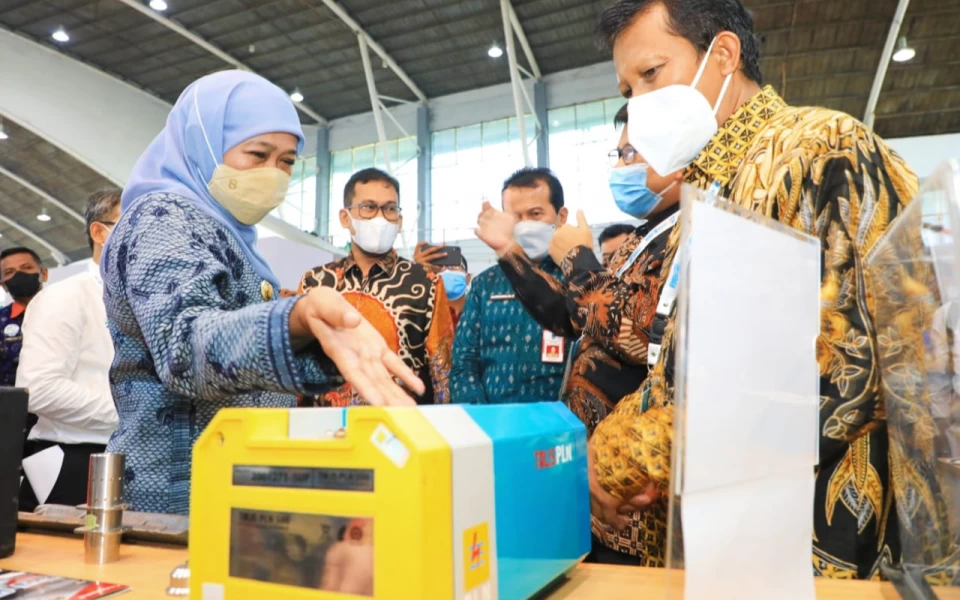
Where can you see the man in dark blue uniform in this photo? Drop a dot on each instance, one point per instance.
(22, 275)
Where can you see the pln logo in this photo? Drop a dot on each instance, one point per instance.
(552, 457)
(476, 559)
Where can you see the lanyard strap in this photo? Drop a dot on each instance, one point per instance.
(648, 239)
(574, 348)
(668, 299)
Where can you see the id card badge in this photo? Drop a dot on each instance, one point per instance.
(551, 351)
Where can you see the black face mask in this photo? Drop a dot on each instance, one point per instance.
(23, 285)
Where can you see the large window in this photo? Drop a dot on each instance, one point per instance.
(469, 166)
(299, 208)
(581, 137)
(403, 160)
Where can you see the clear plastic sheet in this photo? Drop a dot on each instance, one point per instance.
(914, 281)
(746, 405)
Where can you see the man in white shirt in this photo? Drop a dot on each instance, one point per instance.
(65, 365)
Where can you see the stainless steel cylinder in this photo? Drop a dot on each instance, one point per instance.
(105, 483)
(103, 524)
(101, 547)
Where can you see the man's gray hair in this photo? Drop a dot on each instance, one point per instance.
(99, 206)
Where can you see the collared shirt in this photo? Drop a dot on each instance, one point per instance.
(65, 362)
(408, 306)
(195, 329)
(497, 352)
(610, 315)
(827, 175)
(11, 340)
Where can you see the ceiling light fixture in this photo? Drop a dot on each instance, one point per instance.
(158, 5)
(60, 35)
(43, 216)
(296, 95)
(904, 52)
(3, 134)
(495, 51)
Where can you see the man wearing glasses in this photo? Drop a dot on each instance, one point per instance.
(612, 310)
(406, 303)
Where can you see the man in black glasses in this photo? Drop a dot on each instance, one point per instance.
(406, 303)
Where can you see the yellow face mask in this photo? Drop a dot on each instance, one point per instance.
(249, 195)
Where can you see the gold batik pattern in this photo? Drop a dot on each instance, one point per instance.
(827, 175)
(917, 347)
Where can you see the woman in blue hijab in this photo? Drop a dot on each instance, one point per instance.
(191, 302)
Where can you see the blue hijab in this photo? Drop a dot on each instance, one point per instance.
(214, 114)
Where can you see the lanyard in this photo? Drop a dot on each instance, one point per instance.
(648, 239)
(574, 348)
(668, 298)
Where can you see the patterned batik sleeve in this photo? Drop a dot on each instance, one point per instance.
(466, 375)
(848, 201)
(612, 310)
(440, 345)
(544, 296)
(175, 274)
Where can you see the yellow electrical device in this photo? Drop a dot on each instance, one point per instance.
(321, 504)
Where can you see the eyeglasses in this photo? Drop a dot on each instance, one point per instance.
(628, 154)
(369, 210)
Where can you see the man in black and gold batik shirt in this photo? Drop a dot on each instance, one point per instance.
(819, 171)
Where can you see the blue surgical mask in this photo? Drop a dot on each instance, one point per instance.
(455, 282)
(630, 191)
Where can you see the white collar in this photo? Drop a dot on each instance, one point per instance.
(94, 270)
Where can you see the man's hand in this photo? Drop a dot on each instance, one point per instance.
(569, 237)
(358, 350)
(609, 510)
(495, 229)
(425, 254)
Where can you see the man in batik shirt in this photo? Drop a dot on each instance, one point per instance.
(406, 303)
(819, 171)
(610, 308)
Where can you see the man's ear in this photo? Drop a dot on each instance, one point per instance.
(43, 275)
(727, 48)
(563, 216)
(97, 233)
(345, 220)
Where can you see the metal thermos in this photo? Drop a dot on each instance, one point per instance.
(103, 525)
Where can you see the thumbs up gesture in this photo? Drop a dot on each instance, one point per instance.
(495, 229)
(568, 237)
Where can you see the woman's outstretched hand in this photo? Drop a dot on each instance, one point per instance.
(358, 350)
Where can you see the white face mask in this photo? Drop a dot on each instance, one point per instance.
(670, 126)
(534, 238)
(374, 236)
(249, 195)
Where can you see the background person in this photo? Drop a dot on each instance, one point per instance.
(65, 363)
(501, 354)
(405, 302)
(611, 238)
(191, 302)
(456, 278)
(22, 274)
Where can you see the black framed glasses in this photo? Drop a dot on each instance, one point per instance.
(369, 210)
(628, 154)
